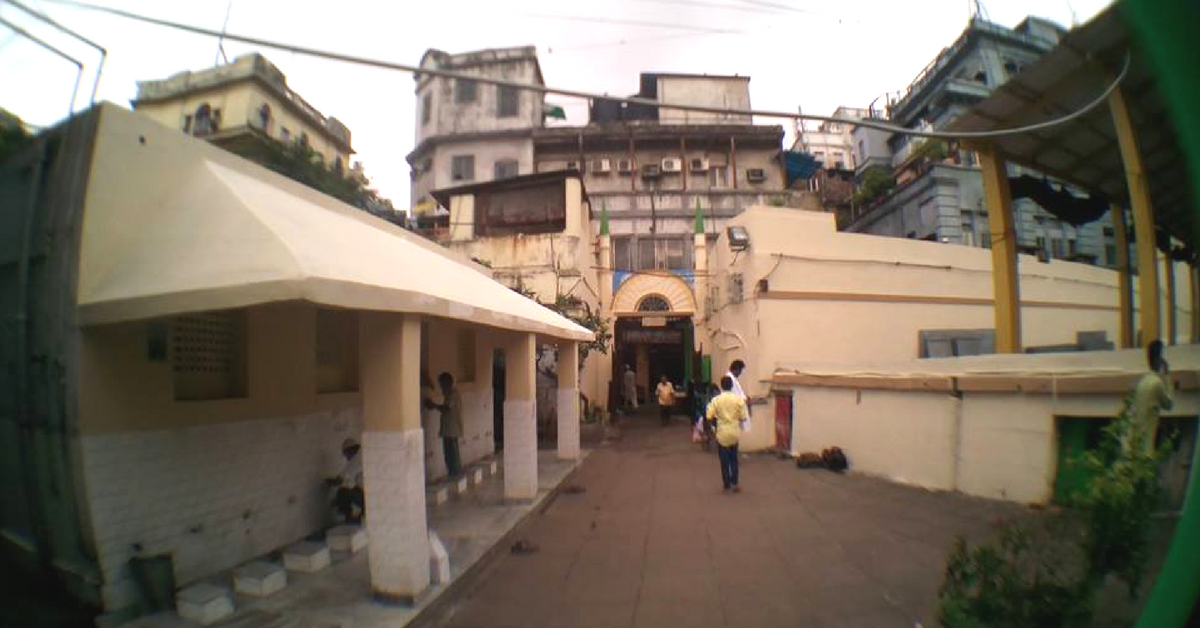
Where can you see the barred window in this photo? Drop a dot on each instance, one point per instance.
(208, 355)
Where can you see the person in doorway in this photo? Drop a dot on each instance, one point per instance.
(728, 409)
(1151, 395)
(348, 500)
(666, 399)
(451, 428)
(629, 388)
(735, 371)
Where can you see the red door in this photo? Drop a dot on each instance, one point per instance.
(783, 421)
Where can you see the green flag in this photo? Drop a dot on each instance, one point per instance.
(556, 112)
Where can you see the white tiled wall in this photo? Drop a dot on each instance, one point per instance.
(212, 496)
(477, 440)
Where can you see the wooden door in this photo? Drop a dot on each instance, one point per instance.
(783, 421)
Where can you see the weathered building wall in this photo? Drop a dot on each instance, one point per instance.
(849, 299)
(212, 482)
(727, 92)
(435, 167)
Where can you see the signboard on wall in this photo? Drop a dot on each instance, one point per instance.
(653, 336)
(654, 321)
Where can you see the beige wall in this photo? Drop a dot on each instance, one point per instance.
(239, 104)
(713, 91)
(1000, 445)
(842, 298)
(121, 390)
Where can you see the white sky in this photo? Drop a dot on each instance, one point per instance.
(816, 55)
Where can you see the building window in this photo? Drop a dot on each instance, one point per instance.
(337, 351)
(820, 156)
(208, 355)
(505, 169)
(303, 138)
(645, 255)
(653, 303)
(1110, 254)
(718, 177)
(465, 91)
(426, 108)
(620, 253)
(462, 168)
(187, 123)
(285, 134)
(264, 117)
(1056, 247)
(205, 121)
(508, 101)
(985, 239)
(862, 151)
(337, 166)
(674, 254)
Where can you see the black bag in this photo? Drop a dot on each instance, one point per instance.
(834, 459)
(810, 461)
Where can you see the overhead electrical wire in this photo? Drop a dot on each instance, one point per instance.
(632, 100)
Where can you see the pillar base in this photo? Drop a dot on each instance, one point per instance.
(394, 483)
(520, 450)
(568, 423)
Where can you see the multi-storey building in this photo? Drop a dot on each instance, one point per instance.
(239, 105)
(938, 191)
(652, 176)
(832, 143)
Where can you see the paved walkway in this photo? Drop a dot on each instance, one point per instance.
(653, 541)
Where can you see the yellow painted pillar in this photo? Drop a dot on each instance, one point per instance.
(1124, 287)
(1143, 218)
(1006, 279)
(604, 277)
(700, 255)
(393, 454)
(568, 400)
(1169, 278)
(520, 418)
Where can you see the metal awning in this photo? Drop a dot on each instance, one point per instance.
(1084, 151)
(173, 225)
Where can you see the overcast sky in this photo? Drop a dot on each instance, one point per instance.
(815, 55)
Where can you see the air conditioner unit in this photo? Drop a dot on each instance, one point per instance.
(624, 166)
(756, 175)
(698, 165)
(601, 166)
(651, 171)
(670, 164)
(572, 165)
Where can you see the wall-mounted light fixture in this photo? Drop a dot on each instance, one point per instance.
(739, 238)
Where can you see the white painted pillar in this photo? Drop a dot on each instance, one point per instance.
(520, 418)
(393, 455)
(568, 400)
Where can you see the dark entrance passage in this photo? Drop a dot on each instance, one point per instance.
(653, 346)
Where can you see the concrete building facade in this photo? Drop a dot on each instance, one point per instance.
(832, 143)
(236, 103)
(938, 188)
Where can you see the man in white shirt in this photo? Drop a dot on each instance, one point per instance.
(348, 501)
(735, 370)
(629, 388)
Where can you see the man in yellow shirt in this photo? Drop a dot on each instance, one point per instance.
(728, 409)
(666, 399)
(1151, 395)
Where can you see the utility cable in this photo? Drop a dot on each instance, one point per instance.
(632, 100)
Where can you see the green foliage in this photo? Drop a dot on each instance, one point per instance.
(876, 182)
(298, 161)
(1050, 575)
(581, 313)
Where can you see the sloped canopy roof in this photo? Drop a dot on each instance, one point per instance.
(173, 225)
(1084, 151)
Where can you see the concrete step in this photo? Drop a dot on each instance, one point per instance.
(306, 557)
(204, 603)
(347, 538)
(459, 486)
(259, 579)
(475, 475)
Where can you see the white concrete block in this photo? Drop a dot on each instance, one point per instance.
(439, 560)
(437, 495)
(460, 485)
(347, 538)
(259, 579)
(306, 557)
(475, 475)
(493, 467)
(520, 449)
(204, 604)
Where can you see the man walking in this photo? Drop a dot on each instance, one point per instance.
(735, 371)
(451, 427)
(666, 399)
(729, 410)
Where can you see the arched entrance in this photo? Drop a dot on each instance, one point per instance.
(653, 331)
